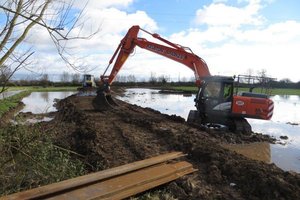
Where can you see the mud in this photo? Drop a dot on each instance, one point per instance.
(8, 116)
(112, 137)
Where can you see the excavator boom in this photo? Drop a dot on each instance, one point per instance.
(172, 51)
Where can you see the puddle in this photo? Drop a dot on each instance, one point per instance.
(287, 110)
(32, 120)
(258, 151)
(42, 102)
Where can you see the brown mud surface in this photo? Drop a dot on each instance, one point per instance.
(9, 115)
(126, 133)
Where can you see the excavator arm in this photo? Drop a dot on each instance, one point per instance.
(172, 51)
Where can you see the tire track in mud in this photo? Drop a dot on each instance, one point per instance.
(109, 142)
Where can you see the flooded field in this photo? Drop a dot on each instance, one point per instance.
(287, 112)
(42, 102)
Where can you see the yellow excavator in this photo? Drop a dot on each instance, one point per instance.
(88, 87)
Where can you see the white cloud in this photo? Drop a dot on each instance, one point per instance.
(231, 50)
(220, 14)
(99, 4)
(113, 24)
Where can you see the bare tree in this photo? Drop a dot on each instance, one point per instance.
(153, 78)
(263, 75)
(131, 78)
(4, 76)
(249, 73)
(20, 16)
(65, 77)
(121, 79)
(163, 79)
(76, 78)
(44, 80)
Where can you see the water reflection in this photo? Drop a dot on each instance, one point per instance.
(45, 96)
(287, 109)
(42, 102)
(165, 103)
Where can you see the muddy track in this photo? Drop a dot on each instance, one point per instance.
(129, 133)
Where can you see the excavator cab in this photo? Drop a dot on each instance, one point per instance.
(213, 100)
(219, 102)
(215, 94)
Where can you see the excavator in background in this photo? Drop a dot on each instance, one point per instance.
(216, 102)
(88, 80)
(88, 87)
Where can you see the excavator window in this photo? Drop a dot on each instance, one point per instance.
(212, 90)
(228, 89)
(88, 78)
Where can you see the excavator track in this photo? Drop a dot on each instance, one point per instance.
(239, 125)
(115, 183)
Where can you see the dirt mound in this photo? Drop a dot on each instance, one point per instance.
(109, 138)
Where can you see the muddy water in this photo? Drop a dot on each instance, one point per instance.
(258, 150)
(42, 102)
(287, 112)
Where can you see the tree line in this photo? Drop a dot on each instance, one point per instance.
(68, 79)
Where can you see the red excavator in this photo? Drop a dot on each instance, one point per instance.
(215, 101)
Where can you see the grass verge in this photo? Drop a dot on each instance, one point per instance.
(12, 102)
(43, 89)
(30, 159)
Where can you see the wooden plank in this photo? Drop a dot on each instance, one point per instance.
(91, 178)
(141, 188)
(128, 184)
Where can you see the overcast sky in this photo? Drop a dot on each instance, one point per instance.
(232, 36)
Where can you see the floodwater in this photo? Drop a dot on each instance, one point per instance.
(42, 102)
(287, 112)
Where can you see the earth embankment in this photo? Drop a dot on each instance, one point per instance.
(126, 133)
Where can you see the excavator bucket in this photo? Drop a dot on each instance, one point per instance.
(103, 101)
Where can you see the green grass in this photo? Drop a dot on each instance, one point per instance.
(285, 91)
(43, 89)
(29, 159)
(275, 91)
(12, 102)
(192, 89)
